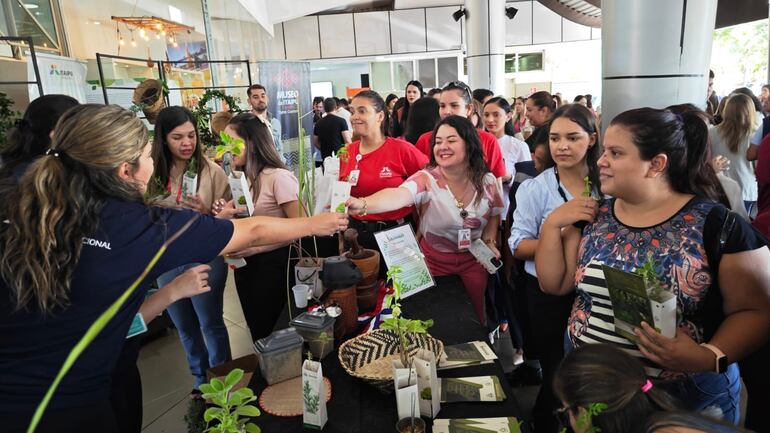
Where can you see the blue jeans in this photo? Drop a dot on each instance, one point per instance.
(711, 394)
(201, 316)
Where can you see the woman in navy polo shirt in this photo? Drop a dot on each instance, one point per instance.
(78, 234)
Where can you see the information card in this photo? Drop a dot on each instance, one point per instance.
(399, 248)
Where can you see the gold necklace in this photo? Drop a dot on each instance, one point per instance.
(459, 204)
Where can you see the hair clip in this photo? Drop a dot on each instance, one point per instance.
(647, 386)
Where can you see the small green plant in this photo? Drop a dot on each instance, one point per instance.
(651, 277)
(401, 325)
(229, 144)
(242, 200)
(311, 400)
(156, 190)
(192, 167)
(584, 421)
(230, 408)
(8, 116)
(340, 208)
(426, 394)
(587, 186)
(342, 153)
(322, 338)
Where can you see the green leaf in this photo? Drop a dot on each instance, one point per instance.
(233, 377)
(247, 410)
(207, 389)
(217, 384)
(340, 208)
(252, 428)
(212, 413)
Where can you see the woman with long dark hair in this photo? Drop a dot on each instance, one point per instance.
(78, 234)
(539, 109)
(666, 213)
(498, 121)
(412, 93)
(199, 321)
(601, 374)
(31, 136)
(376, 162)
(454, 195)
(457, 100)
(423, 116)
(574, 147)
(274, 189)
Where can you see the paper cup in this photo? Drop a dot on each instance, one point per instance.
(301, 292)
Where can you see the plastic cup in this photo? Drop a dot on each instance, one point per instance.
(301, 292)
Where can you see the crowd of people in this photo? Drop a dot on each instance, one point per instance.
(88, 198)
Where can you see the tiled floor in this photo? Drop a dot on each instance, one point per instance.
(166, 381)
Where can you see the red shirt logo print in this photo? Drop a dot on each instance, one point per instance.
(386, 173)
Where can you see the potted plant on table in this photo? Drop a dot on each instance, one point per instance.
(404, 373)
(230, 408)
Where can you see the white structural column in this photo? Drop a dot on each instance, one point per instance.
(655, 53)
(485, 37)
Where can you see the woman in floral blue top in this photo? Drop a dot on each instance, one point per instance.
(666, 206)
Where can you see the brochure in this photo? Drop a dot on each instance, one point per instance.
(632, 304)
(399, 248)
(477, 425)
(469, 389)
(466, 354)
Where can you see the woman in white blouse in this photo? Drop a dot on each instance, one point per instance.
(731, 139)
(458, 201)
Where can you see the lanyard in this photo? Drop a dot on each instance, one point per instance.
(359, 157)
(558, 185)
(178, 192)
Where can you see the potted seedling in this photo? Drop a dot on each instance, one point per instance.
(230, 408)
(404, 374)
(314, 413)
(190, 178)
(237, 179)
(587, 191)
(662, 302)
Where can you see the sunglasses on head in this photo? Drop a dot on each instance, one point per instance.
(458, 85)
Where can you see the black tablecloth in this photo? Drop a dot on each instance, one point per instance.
(356, 407)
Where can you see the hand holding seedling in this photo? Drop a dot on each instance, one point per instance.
(577, 209)
(194, 202)
(680, 353)
(226, 209)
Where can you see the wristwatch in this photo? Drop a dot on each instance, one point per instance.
(721, 361)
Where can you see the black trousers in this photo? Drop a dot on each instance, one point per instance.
(126, 389)
(261, 286)
(548, 316)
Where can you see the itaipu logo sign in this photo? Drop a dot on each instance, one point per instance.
(60, 72)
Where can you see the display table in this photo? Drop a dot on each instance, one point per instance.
(356, 407)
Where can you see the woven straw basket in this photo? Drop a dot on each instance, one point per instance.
(150, 93)
(368, 357)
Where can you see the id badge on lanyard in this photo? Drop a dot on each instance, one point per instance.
(355, 173)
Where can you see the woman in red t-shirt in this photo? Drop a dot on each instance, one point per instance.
(376, 162)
